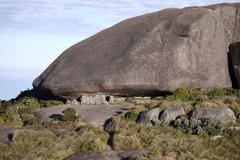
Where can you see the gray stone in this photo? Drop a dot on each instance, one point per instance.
(171, 114)
(149, 117)
(148, 54)
(224, 114)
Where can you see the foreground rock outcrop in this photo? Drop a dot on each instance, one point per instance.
(224, 114)
(171, 114)
(149, 54)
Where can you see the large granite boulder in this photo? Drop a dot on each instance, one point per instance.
(149, 54)
(224, 114)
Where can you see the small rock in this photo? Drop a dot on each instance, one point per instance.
(171, 114)
(224, 114)
(149, 117)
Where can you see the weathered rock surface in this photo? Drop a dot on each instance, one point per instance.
(156, 52)
(234, 51)
(224, 114)
(149, 117)
(171, 114)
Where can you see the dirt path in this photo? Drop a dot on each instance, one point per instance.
(94, 114)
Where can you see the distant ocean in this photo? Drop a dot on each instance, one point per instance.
(13, 81)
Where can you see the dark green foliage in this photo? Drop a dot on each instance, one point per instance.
(221, 92)
(49, 103)
(130, 100)
(150, 105)
(202, 126)
(69, 114)
(112, 125)
(28, 101)
(131, 115)
(29, 119)
(185, 94)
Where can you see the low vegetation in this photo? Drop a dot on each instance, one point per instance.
(45, 143)
(21, 111)
(166, 142)
(181, 139)
(69, 114)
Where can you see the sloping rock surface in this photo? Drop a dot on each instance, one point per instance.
(149, 54)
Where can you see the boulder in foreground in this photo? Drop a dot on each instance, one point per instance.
(224, 114)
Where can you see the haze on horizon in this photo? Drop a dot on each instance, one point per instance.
(35, 32)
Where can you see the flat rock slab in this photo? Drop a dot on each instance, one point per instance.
(94, 114)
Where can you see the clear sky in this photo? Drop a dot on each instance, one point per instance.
(34, 32)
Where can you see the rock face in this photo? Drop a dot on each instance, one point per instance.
(171, 114)
(234, 53)
(224, 114)
(149, 117)
(149, 54)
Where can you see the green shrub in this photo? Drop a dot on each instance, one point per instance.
(112, 125)
(202, 126)
(91, 139)
(69, 114)
(127, 143)
(29, 119)
(150, 105)
(2, 119)
(221, 92)
(50, 103)
(28, 101)
(131, 115)
(185, 94)
(130, 100)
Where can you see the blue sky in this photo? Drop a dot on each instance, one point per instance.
(34, 32)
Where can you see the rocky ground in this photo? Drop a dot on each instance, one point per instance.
(188, 124)
(94, 114)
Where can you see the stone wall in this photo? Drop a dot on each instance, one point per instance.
(96, 99)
